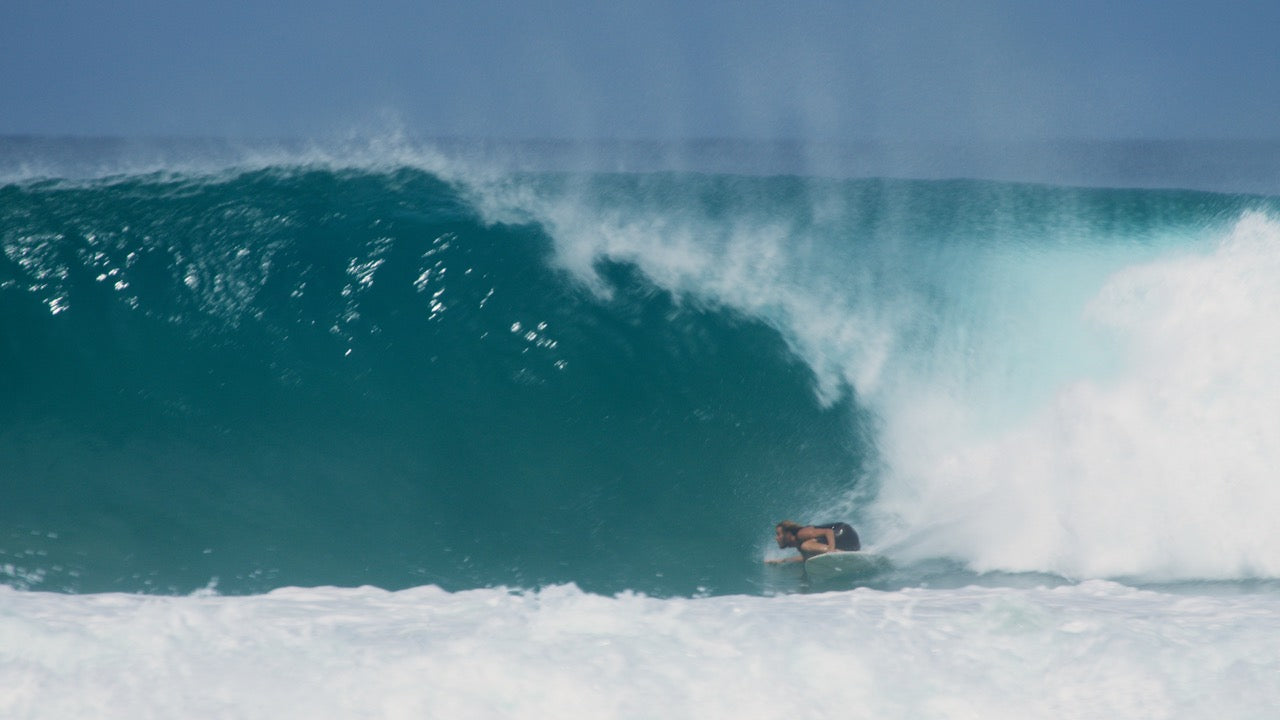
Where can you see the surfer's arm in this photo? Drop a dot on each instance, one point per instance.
(814, 546)
(779, 561)
(821, 541)
(816, 540)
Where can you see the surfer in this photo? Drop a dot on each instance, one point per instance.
(813, 540)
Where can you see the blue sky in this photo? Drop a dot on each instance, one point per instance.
(906, 70)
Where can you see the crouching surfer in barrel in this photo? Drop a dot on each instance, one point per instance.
(813, 540)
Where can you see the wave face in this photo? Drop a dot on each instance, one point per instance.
(315, 375)
(300, 376)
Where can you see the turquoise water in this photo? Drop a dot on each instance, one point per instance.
(296, 376)
(403, 434)
(302, 375)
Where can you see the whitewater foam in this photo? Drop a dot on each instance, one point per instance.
(1092, 651)
(1160, 468)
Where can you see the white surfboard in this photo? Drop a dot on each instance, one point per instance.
(840, 565)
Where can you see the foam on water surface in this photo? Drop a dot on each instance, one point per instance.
(1095, 650)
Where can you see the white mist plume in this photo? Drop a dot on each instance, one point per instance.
(1165, 467)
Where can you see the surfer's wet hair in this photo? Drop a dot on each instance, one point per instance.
(789, 526)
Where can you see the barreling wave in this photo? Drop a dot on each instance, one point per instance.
(300, 375)
(1066, 380)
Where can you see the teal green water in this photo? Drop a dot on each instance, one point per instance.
(296, 377)
(301, 376)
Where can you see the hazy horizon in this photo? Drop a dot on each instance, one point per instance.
(991, 70)
(1231, 166)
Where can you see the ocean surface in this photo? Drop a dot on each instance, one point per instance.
(502, 430)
